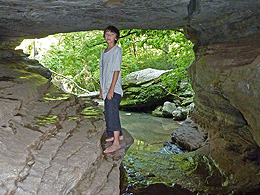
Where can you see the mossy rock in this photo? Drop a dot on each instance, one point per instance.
(190, 170)
(132, 90)
(144, 98)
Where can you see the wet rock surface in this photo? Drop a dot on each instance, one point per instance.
(227, 107)
(51, 142)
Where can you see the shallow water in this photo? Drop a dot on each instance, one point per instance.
(148, 131)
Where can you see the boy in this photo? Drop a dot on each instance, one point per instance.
(111, 87)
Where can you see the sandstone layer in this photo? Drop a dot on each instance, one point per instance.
(225, 78)
(51, 141)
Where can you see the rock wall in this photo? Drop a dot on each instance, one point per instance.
(225, 78)
(50, 142)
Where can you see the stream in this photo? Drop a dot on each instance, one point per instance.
(149, 133)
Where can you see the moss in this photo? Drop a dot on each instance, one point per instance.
(191, 170)
(157, 111)
(164, 168)
(53, 97)
(46, 119)
(91, 112)
(150, 93)
(133, 90)
(144, 98)
(71, 118)
(149, 83)
(130, 102)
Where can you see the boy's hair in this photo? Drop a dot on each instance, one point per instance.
(112, 29)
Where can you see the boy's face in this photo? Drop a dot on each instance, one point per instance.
(110, 37)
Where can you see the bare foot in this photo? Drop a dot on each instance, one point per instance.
(121, 138)
(112, 148)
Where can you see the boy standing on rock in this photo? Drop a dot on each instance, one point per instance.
(111, 87)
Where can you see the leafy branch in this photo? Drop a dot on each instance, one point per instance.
(101, 43)
(70, 80)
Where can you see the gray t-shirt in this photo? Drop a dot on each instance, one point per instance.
(110, 62)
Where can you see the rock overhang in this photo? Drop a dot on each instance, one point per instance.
(213, 21)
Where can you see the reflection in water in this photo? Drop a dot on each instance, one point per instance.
(148, 131)
(141, 145)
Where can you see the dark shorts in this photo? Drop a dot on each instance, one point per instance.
(112, 115)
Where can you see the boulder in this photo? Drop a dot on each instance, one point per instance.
(178, 115)
(143, 91)
(142, 76)
(181, 113)
(189, 136)
(158, 111)
(168, 108)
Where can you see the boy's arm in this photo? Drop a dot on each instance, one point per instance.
(100, 93)
(110, 93)
(100, 76)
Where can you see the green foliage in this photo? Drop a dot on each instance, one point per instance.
(151, 92)
(73, 57)
(171, 80)
(158, 49)
(76, 55)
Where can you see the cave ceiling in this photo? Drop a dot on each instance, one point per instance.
(210, 19)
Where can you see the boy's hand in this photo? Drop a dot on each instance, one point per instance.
(100, 94)
(110, 95)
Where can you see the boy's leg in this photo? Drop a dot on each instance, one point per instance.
(109, 117)
(112, 116)
(116, 143)
(121, 138)
(113, 123)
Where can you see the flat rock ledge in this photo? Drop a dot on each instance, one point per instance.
(51, 142)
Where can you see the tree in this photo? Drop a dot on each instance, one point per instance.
(76, 55)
